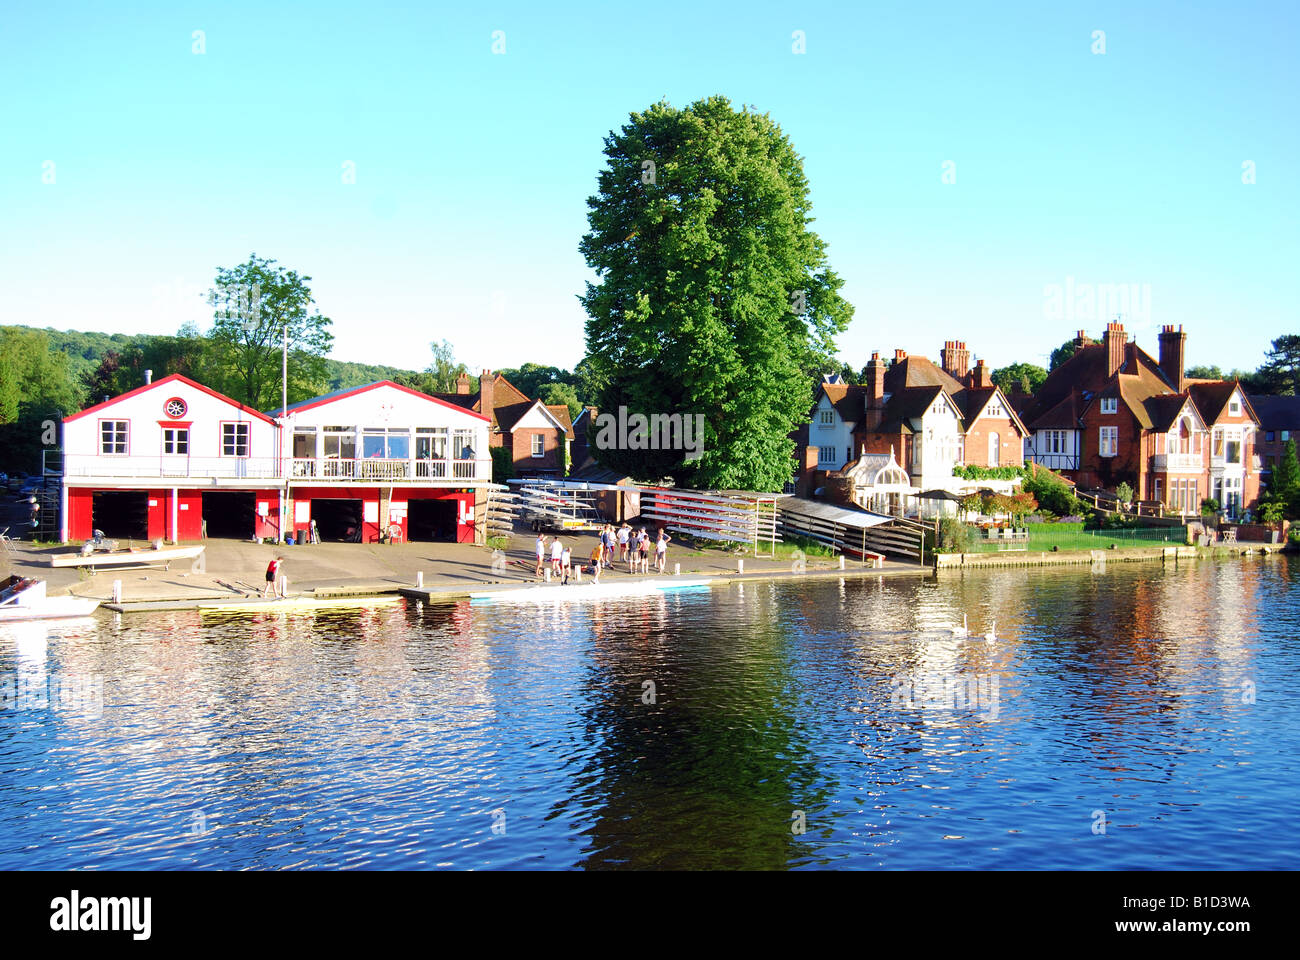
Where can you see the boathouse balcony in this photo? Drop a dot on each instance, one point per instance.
(170, 467)
(390, 470)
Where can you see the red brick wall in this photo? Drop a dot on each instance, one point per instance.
(522, 445)
(1130, 464)
(1010, 441)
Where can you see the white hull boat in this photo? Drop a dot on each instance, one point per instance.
(127, 558)
(22, 600)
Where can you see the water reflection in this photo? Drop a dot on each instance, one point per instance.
(755, 726)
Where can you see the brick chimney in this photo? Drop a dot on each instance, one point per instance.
(485, 384)
(1114, 340)
(874, 401)
(981, 377)
(462, 385)
(955, 359)
(900, 356)
(1173, 352)
(1081, 339)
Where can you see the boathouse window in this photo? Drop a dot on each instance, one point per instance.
(176, 440)
(387, 444)
(539, 448)
(234, 439)
(1234, 408)
(1268, 436)
(828, 418)
(113, 437)
(1110, 405)
(463, 444)
(825, 454)
(340, 443)
(431, 443)
(1108, 441)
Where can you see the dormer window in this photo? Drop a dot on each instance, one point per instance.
(1110, 405)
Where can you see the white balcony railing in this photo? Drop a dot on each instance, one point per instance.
(378, 470)
(1179, 462)
(171, 467)
(368, 470)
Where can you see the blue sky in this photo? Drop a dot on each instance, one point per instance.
(472, 168)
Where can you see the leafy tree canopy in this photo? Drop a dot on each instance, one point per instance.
(255, 306)
(713, 296)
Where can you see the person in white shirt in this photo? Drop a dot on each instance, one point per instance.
(557, 554)
(566, 563)
(541, 554)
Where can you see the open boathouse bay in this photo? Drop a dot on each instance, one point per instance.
(1140, 717)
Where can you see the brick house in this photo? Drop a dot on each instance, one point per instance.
(1279, 421)
(931, 417)
(537, 434)
(1113, 414)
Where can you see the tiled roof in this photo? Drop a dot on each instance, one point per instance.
(560, 411)
(1277, 413)
(1211, 396)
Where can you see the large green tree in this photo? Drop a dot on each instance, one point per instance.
(1284, 482)
(713, 295)
(37, 389)
(254, 306)
(1281, 370)
(1026, 376)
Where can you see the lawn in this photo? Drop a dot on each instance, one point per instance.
(1072, 536)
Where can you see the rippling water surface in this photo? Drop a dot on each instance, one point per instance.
(1154, 704)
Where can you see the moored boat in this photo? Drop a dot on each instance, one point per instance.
(22, 599)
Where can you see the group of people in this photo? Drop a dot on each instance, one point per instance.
(622, 545)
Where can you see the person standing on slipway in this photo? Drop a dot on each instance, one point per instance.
(273, 578)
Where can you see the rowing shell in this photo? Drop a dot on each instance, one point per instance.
(557, 593)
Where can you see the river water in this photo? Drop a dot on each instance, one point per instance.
(1139, 717)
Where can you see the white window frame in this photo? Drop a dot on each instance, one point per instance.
(174, 437)
(121, 437)
(1108, 441)
(1110, 405)
(237, 427)
(826, 455)
(539, 446)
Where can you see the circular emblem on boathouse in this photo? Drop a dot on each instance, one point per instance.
(175, 408)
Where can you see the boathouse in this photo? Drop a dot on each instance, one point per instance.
(169, 460)
(383, 460)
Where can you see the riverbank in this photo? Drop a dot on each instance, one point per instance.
(233, 572)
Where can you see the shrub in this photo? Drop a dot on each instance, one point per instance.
(498, 543)
(1052, 494)
(1271, 514)
(955, 536)
(1124, 492)
(503, 464)
(1209, 507)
